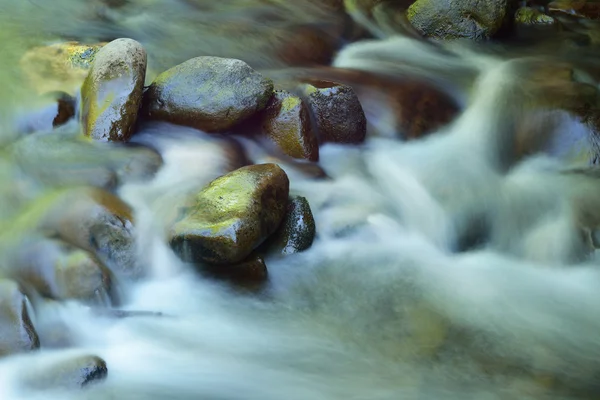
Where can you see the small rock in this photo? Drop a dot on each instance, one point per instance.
(449, 19)
(208, 93)
(57, 270)
(287, 123)
(338, 115)
(99, 222)
(232, 216)
(59, 67)
(297, 231)
(251, 270)
(17, 333)
(111, 94)
(68, 374)
(531, 16)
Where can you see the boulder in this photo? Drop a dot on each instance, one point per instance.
(287, 123)
(17, 333)
(111, 94)
(212, 94)
(232, 216)
(450, 19)
(297, 231)
(338, 115)
(72, 373)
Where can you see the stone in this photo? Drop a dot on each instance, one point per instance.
(72, 373)
(17, 333)
(338, 115)
(232, 216)
(111, 94)
(530, 16)
(58, 67)
(97, 221)
(287, 123)
(59, 271)
(212, 94)
(250, 270)
(297, 231)
(450, 19)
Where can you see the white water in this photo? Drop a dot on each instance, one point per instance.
(372, 310)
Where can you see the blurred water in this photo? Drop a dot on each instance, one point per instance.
(393, 301)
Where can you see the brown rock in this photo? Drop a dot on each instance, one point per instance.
(297, 231)
(287, 123)
(17, 333)
(250, 270)
(208, 93)
(232, 216)
(111, 95)
(338, 115)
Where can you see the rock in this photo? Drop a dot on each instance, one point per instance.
(297, 231)
(338, 115)
(17, 333)
(66, 109)
(66, 374)
(57, 270)
(55, 109)
(111, 95)
(287, 123)
(531, 16)
(58, 67)
(449, 19)
(99, 222)
(208, 93)
(579, 8)
(232, 216)
(249, 271)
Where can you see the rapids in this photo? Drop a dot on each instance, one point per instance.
(394, 300)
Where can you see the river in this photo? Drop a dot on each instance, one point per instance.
(394, 300)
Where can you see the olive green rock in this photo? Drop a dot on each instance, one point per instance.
(297, 231)
(72, 373)
(208, 93)
(60, 271)
(111, 94)
(531, 16)
(232, 216)
(287, 123)
(452, 19)
(17, 333)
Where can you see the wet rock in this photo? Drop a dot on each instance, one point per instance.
(338, 115)
(136, 163)
(250, 270)
(287, 123)
(99, 222)
(58, 67)
(111, 95)
(17, 333)
(67, 374)
(232, 216)
(208, 93)
(297, 231)
(54, 109)
(531, 16)
(57, 270)
(449, 19)
(579, 8)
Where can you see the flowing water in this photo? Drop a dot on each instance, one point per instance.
(393, 300)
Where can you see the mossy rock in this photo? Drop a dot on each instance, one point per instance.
(232, 216)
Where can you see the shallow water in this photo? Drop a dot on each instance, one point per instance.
(393, 301)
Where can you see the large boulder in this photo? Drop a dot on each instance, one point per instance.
(232, 216)
(452, 19)
(17, 333)
(287, 123)
(111, 95)
(208, 93)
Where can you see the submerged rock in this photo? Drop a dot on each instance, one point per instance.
(232, 216)
(54, 109)
(208, 93)
(68, 374)
(17, 333)
(287, 123)
(449, 19)
(297, 231)
(59, 67)
(99, 222)
(57, 270)
(338, 115)
(251, 270)
(111, 95)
